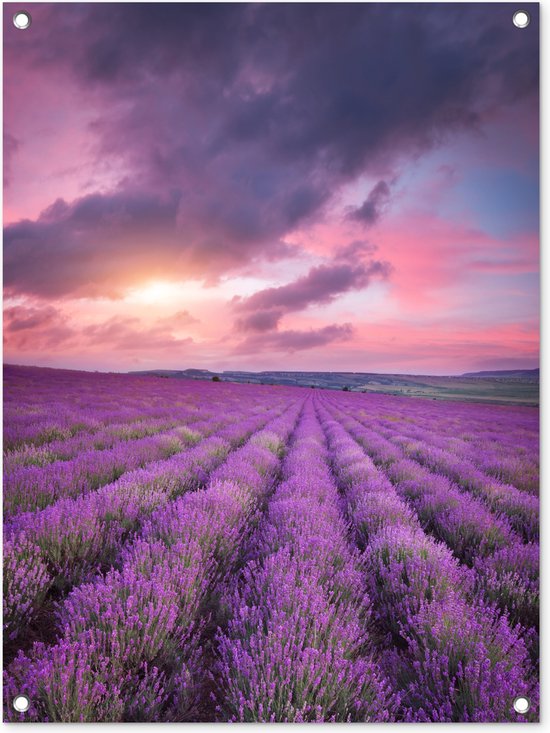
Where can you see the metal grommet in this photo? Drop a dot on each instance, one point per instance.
(22, 20)
(521, 19)
(21, 703)
(521, 705)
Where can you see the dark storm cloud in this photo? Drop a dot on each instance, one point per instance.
(291, 341)
(371, 209)
(247, 119)
(102, 243)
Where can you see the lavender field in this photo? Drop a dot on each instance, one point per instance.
(182, 550)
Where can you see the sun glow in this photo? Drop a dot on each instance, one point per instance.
(162, 292)
(156, 291)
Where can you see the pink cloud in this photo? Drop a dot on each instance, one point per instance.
(36, 327)
(436, 348)
(434, 259)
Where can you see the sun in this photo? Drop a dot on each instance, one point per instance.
(155, 291)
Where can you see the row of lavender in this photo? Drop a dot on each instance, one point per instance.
(43, 406)
(492, 528)
(480, 439)
(56, 414)
(45, 480)
(318, 571)
(128, 643)
(311, 637)
(453, 654)
(58, 462)
(296, 646)
(46, 552)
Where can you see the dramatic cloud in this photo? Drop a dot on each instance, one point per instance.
(164, 160)
(104, 243)
(370, 211)
(291, 341)
(238, 123)
(322, 285)
(266, 320)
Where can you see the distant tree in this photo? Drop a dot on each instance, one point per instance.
(345, 389)
(312, 386)
(216, 378)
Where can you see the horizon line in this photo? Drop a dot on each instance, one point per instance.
(269, 371)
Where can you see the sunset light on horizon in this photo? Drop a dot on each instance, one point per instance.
(271, 187)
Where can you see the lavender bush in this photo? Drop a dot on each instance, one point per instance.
(180, 550)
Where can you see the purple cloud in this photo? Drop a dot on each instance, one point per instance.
(356, 250)
(371, 209)
(11, 146)
(263, 320)
(291, 340)
(102, 243)
(241, 122)
(320, 286)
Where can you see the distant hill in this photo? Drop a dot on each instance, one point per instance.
(511, 387)
(176, 373)
(506, 374)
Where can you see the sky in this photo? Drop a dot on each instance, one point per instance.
(347, 187)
